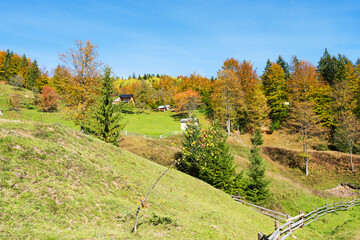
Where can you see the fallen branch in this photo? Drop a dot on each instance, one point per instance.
(141, 204)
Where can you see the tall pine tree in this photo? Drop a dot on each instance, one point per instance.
(105, 121)
(257, 186)
(32, 76)
(284, 65)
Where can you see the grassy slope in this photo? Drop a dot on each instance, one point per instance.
(292, 191)
(59, 184)
(29, 114)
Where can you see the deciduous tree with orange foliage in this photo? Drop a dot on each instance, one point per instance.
(187, 101)
(303, 119)
(82, 85)
(48, 100)
(228, 98)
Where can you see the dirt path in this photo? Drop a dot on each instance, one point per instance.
(344, 190)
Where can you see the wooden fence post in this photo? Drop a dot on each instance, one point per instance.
(347, 205)
(316, 212)
(326, 207)
(334, 206)
(260, 236)
(277, 225)
(341, 205)
(302, 218)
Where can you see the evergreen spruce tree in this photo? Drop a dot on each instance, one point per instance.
(23, 66)
(268, 65)
(32, 75)
(23, 62)
(190, 151)
(284, 65)
(257, 187)
(357, 62)
(206, 156)
(333, 70)
(105, 120)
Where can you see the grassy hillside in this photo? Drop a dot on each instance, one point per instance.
(59, 184)
(31, 113)
(291, 191)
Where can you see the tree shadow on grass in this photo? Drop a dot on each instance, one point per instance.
(179, 116)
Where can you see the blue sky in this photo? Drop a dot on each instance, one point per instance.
(181, 37)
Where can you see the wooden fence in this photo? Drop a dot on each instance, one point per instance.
(302, 220)
(166, 135)
(265, 211)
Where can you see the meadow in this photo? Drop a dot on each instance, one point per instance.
(147, 122)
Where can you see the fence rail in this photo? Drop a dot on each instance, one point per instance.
(302, 220)
(265, 211)
(166, 135)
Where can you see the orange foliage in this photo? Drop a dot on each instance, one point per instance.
(249, 79)
(187, 101)
(48, 99)
(304, 80)
(195, 82)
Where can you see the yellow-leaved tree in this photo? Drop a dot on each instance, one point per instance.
(80, 87)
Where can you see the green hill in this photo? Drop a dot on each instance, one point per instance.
(57, 183)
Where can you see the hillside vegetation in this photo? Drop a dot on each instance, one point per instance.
(290, 189)
(57, 183)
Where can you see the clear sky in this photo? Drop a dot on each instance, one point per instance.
(181, 37)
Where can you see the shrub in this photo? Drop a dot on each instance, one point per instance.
(48, 100)
(14, 102)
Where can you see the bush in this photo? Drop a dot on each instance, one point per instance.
(31, 107)
(14, 102)
(48, 100)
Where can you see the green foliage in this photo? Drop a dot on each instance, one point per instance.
(332, 69)
(206, 156)
(105, 120)
(274, 82)
(257, 189)
(33, 74)
(127, 107)
(257, 139)
(284, 65)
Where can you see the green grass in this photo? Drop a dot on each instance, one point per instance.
(25, 114)
(60, 184)
(147, 123)
(157, 123)
(340, 225)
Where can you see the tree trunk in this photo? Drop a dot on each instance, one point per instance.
(228, 126)
(351, 158)
(306, 160)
